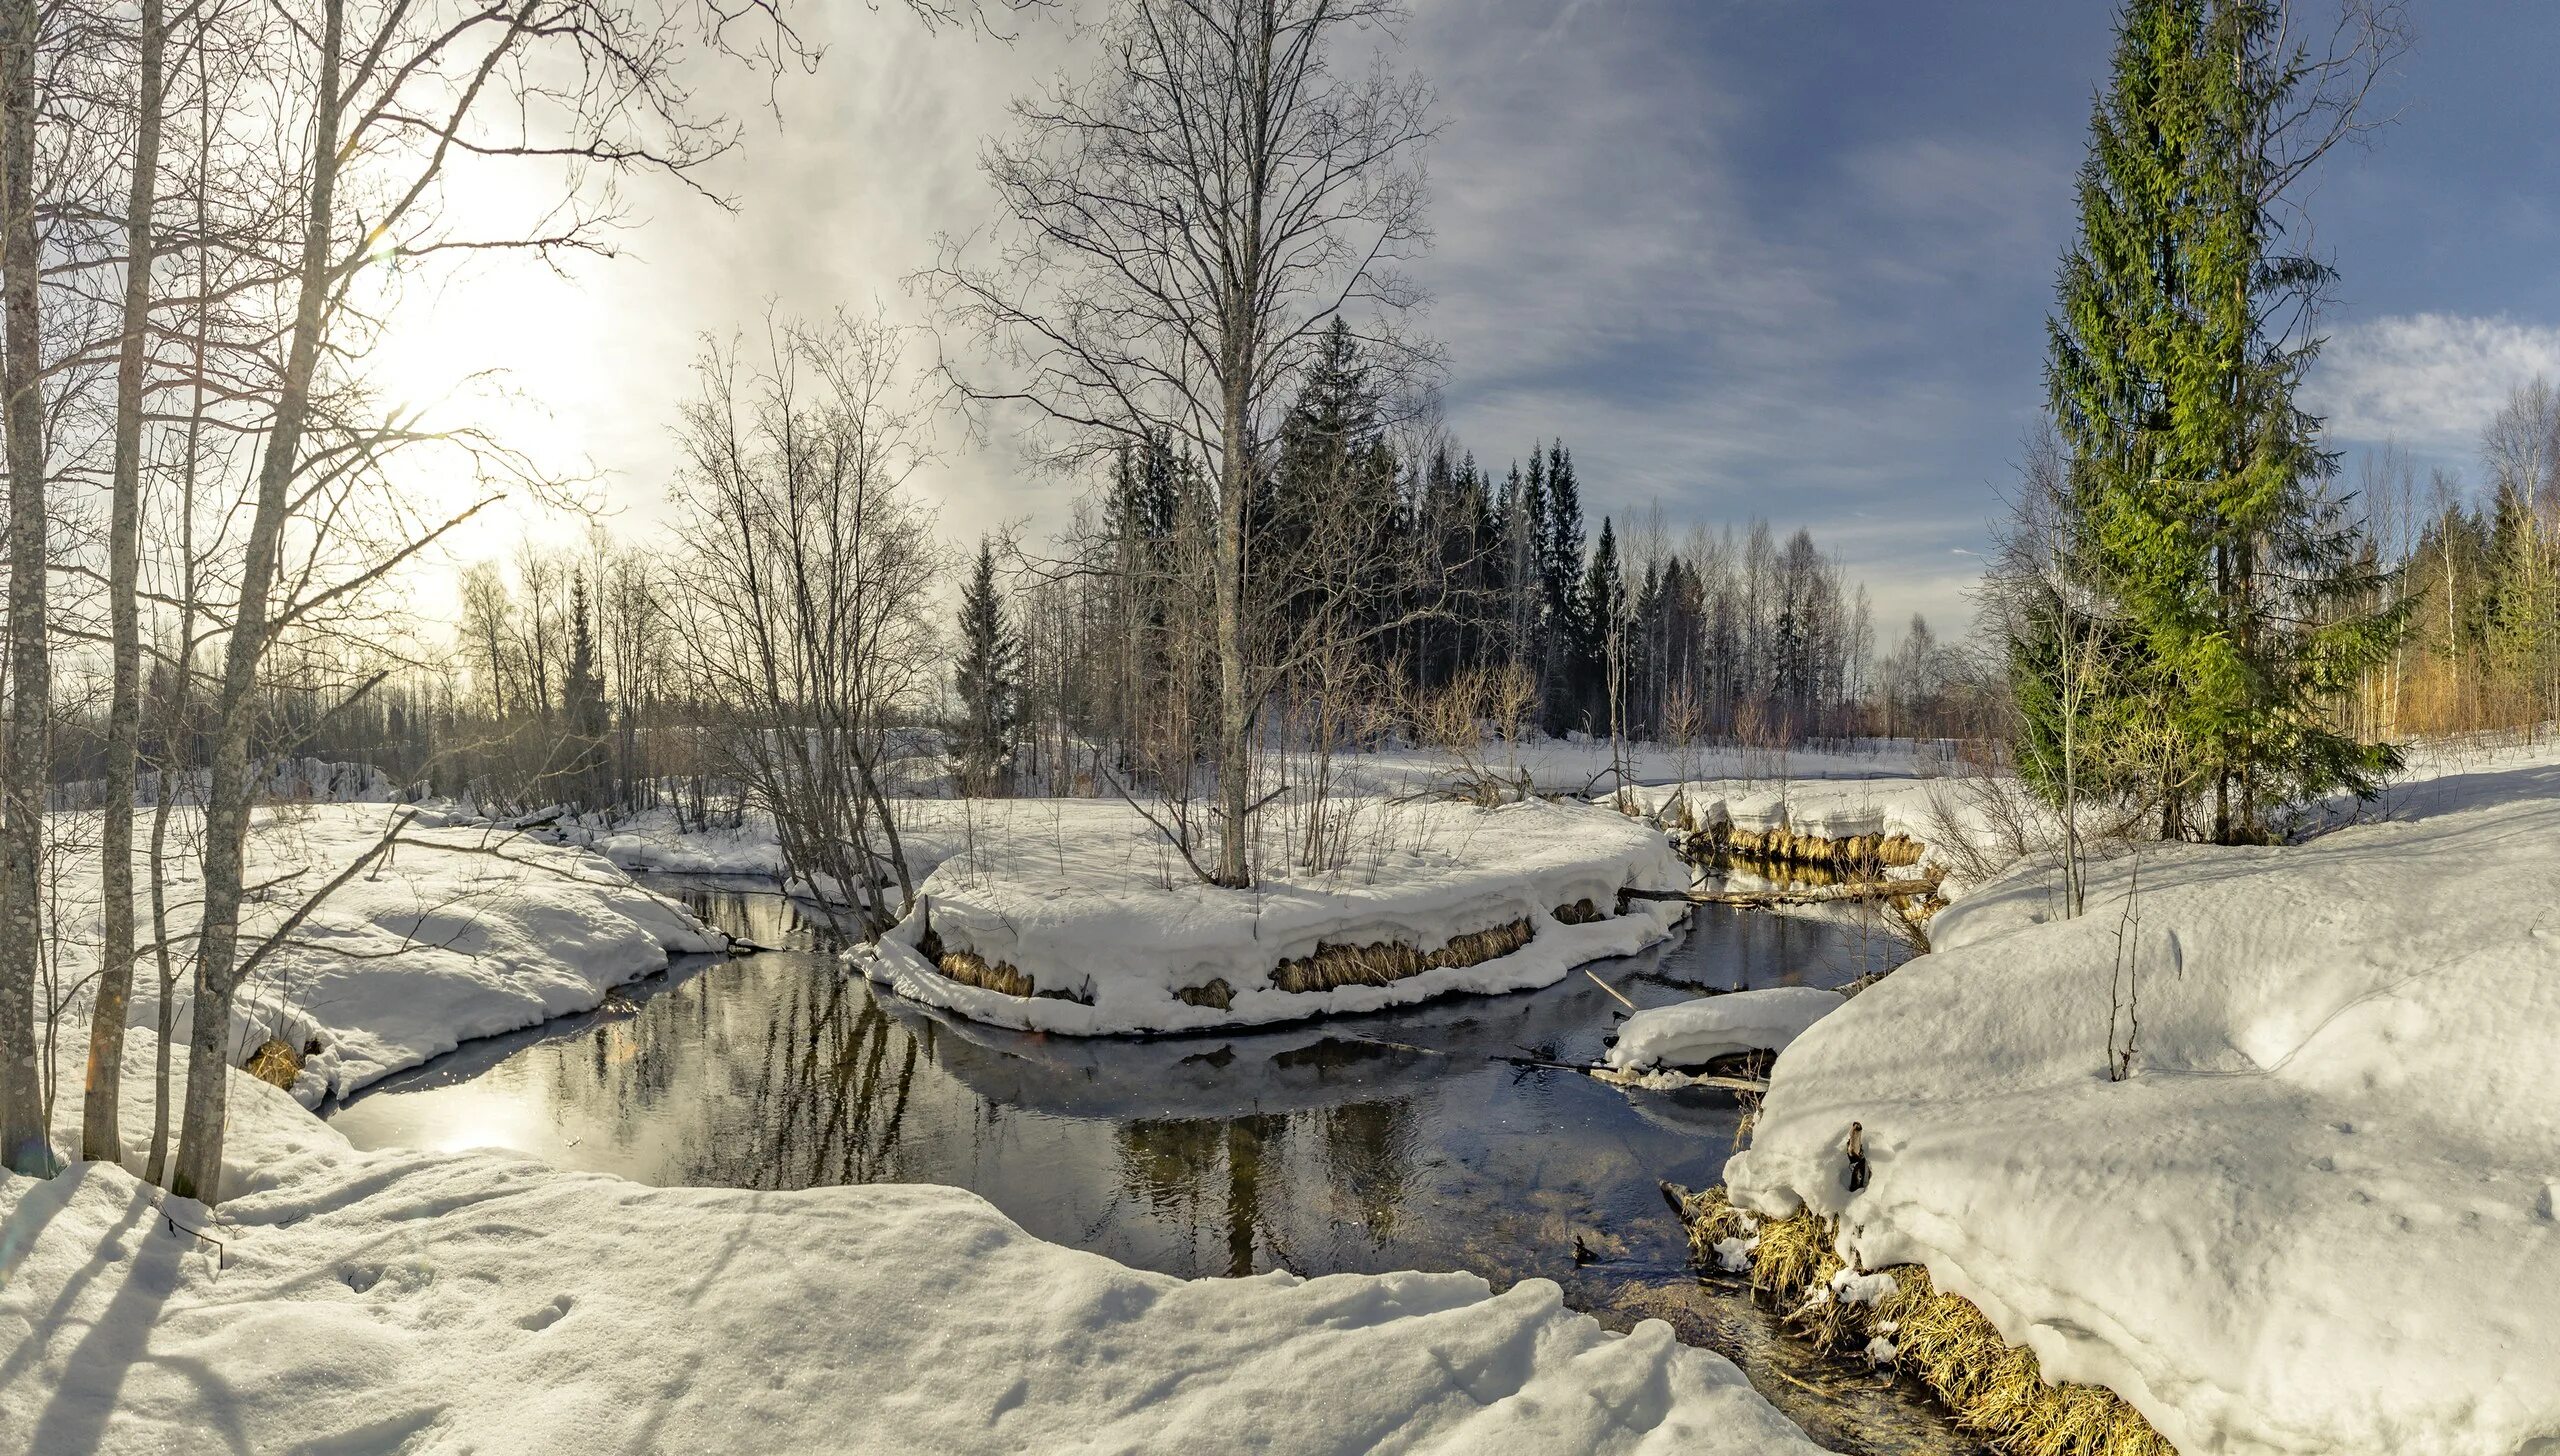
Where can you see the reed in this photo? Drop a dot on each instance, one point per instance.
(1993, 1388)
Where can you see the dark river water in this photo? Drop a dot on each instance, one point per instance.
(1390, 1141)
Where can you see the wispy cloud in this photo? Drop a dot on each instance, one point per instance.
(2429, 380)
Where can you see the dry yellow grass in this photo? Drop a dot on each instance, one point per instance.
(1215, 993)
(1388, 961)
(1329, 967)
(1580, 912)
(276, 1064)
(971, 969)
(1993, 1387)
(1860, 853)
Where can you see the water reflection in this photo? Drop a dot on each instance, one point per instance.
(1362, 1144)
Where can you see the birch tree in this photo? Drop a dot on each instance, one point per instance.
(99, 1139)
(392, 96)
(1177, 232)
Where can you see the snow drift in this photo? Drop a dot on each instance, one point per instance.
(2318, 1216)
(460, 931)
(477, 1302)
(1692, 1033)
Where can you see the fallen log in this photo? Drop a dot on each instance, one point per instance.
(1603, 1072)
(1891, 888)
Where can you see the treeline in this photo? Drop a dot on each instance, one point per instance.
(1384, 566)
(1384, 561)
(2476, 573)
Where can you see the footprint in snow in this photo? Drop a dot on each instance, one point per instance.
(547, 1316)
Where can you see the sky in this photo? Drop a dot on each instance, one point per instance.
(1786, 259)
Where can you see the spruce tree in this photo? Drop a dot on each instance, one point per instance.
(987, 681)
(583, 769)
(2200, 530)
(1567, 624)
(1604, 597)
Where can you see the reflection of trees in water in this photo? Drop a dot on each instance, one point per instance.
(826, 1097)
(1181, 1167)
(1726, 944)
(806, 1078)
(1368, 1156)
(1231, 1178)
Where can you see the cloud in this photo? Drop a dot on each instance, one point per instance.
(2428, 380)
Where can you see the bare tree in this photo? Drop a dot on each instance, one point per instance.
(806, 582)
(1177, 232)
(99, 1136)
(384, 108)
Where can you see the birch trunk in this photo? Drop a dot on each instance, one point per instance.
(99, 1139)
(226, 814)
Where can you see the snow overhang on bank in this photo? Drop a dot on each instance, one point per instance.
(2318, 1216)
(460, 930)
(1694, 1033)
(1082, 909)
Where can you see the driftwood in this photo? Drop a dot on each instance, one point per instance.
(1890, 888)
(1602, 1071)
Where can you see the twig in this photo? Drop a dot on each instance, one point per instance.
(1612, 990)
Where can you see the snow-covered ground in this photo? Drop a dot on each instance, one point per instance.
(1087, 899)
(1693, 1033)
(1581, 765)
(349, 1301)
(2319, 1215)
(459, 931)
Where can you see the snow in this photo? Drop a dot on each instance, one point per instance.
(2316, 1215)
(1085, 896)
(1593, 766)
(655, 840)
(1692, 1033)
(462, 931)
(472, 1301)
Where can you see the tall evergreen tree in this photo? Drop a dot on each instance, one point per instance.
(1566, 620)
(987, 681)
(2195, 480)
(584, 771)
(1604, 598)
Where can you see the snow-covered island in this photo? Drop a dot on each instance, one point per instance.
(1069, 919)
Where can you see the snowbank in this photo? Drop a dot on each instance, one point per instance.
(2319, 1215)
(1581, 764)
(1079, 896)
(1824, 808)
(459, 932)
(653, 840)
(1692, 1033)
(477, 1302)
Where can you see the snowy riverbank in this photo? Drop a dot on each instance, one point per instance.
(354, 1301)
(458, 931)
(2318, 1215)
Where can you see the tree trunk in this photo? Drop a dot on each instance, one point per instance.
(1235, 772)
(99, 1139)
(226, 813)
(23, 1143)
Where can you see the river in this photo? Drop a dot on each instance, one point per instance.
(1390, 1141)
